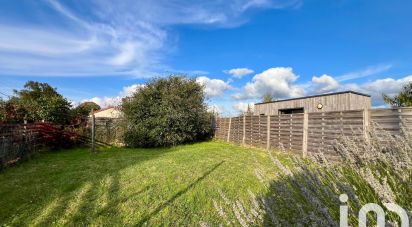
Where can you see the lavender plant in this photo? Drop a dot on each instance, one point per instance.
(377, 169)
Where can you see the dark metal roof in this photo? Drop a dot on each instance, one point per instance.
(314, 96)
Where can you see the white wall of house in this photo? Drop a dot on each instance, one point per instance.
(111, 112)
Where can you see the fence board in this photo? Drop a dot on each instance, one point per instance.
(323, 129)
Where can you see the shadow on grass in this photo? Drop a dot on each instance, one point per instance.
(177, 195)
(63, 188)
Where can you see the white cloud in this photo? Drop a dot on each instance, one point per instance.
(130, 90)
(104, 102)
(239, 72)
(376, 88)
(283, 83)
(388, 85)
(213, 108)
(277, 81)
(107, 101)
(213, 87)
(243, 106)
(126, 55)
(42, 42)
(371, 70)
(325, 83)
(171, 12)
(131, 37)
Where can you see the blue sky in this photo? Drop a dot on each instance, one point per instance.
(240, 50)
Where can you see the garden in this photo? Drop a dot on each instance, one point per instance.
(171, 171)
(119, 186)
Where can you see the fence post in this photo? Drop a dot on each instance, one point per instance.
(268, 133)
(290, 131)
(279, 142)
(323, 133)
(244, 130)
(305, 134)
(366, 120)
(93, 132)
(400, 120)
(228, 130)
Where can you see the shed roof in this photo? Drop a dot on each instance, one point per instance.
(314, 96)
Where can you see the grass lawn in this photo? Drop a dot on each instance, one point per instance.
(119, 186)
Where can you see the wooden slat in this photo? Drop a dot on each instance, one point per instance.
(324, 128)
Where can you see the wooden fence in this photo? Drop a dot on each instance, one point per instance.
(310, 133)
(16, 142)
(20, 141)
(108, 131)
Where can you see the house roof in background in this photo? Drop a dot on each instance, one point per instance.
(108, 108)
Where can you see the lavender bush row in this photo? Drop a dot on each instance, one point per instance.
(375, 170)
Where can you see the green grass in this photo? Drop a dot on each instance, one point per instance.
(119, 186)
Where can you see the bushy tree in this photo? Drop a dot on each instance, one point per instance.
(84, 109)
(166, 112)
(39, 101)
(403, 99)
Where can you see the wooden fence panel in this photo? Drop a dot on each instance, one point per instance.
(248, 131)
(310, 133)
(263, 121)
(274, 132)
(325, 128)
(291, 131)
(222, 128)
(406, 118)
(255, 131)
(387, 120)
(236, 130)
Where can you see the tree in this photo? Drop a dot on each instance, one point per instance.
(166, 112)
(40, 101)
(84, 109)
(12, 112)
(249, 110)
(268, 97)
(2, 110)
(403, 99)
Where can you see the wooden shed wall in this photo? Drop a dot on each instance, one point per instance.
(336, 102)
(359, 102)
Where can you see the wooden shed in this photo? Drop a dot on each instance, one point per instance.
(339, 101)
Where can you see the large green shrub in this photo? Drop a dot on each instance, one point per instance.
(166, 112)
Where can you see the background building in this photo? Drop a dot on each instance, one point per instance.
(110, 112)
(339, 101)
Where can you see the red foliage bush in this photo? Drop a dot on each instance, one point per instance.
(20, 141)
(54, 136)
